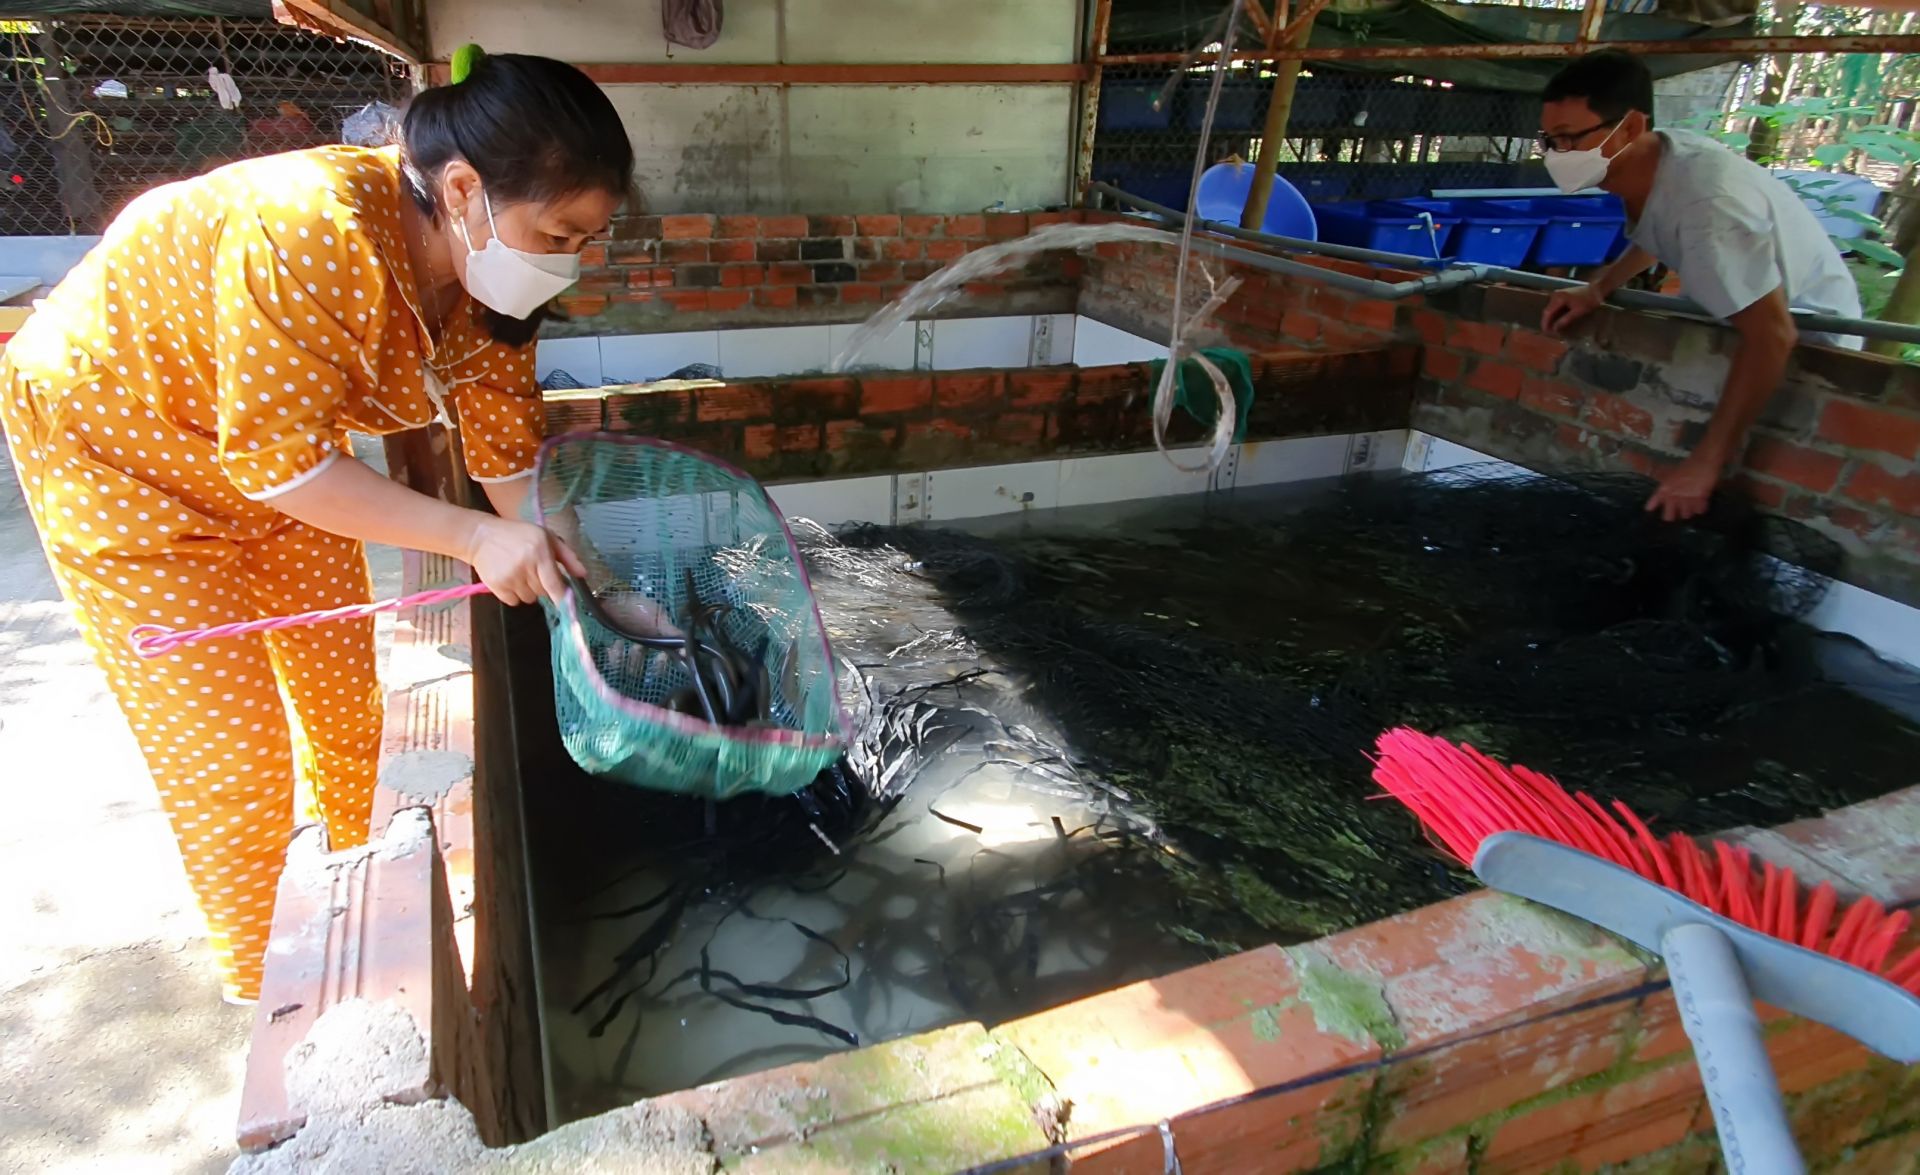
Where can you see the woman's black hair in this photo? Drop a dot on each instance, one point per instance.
(535, 129)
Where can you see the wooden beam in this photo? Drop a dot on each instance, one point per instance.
(692, 74)
(337, 18)
(1262, 23)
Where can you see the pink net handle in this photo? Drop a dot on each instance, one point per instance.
(155, 640)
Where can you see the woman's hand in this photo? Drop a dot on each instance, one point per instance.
(518, 561)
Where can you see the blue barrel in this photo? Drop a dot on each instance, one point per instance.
(1223, 193)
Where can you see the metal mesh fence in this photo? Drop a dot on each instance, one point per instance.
(95, 110)
(1349, 136)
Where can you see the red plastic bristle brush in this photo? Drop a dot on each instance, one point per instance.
(1730, 929)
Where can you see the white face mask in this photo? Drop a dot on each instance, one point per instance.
(1576, 171)
(514, 283)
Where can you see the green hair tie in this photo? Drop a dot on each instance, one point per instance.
(464, 59)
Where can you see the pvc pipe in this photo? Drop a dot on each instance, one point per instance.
(1717, 1012)
(1636, 299)
(1509, 193)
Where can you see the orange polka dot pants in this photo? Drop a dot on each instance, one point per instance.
(215, 720)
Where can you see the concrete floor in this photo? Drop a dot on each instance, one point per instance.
(116, 1052)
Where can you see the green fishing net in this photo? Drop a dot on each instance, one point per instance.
(692, 659)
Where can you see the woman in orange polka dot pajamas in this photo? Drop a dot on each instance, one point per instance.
(177, 411)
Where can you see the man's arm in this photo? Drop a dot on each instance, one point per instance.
(1570, 305)
(1767, 338)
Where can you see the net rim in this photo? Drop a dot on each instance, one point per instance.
(687, 724)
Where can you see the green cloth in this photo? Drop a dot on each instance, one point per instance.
(1193, 391)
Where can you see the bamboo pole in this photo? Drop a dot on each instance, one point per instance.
(1903, 306)
(1273, 137)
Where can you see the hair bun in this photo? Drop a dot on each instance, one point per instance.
(464, 59)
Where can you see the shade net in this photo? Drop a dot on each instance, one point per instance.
(692, 658)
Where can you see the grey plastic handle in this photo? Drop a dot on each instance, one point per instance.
(1717, 1011)
(1816, 987)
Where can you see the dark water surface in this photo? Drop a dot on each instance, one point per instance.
(1164, 759)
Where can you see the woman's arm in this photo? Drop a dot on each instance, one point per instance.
(515, 559)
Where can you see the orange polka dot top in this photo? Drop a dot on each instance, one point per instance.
(268, 307)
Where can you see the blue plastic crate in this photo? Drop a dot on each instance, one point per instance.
(1486, 236)
(1377, 226)
(1580, 230)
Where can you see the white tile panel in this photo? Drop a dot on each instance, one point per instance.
(1127, 477)
(762, 352)
(643, 358)
(830, 503)
(1095, 344)
(963, 343)
(992, 489)
(579, 358)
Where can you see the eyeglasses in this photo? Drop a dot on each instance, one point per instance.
(1565, 142)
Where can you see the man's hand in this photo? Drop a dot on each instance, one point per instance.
(1567, 307)
(1686, 489)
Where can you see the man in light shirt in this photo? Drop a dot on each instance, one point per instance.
(1743, 244)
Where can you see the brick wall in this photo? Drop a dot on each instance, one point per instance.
(841, 425)
(1836, 448)
(696, 272)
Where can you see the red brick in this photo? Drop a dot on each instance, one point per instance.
(966, 226)
(739, 226)
(741, 275)
(760, 441)
(951, 429)
(1020, 428)
(724, 251)
(859, 293)
(593, 257)
(819, 397)
(841, 434)
(583, 305)
(739, 402)
(686, 228)
(1444, 366)
(1096, 384)
(1876, 486)
(880, 271)
(647, 279)
(725, 300)
(1042, 387)
(783, 250)
(789, 274)
(686, 301)
(899, 394)
(1372, 312)
(984, 290)
(1003, 226)
(915, 271)
(1759, 490)
(634, 252)
(1607, 412)
(783, 227)
(901, 250)
(1548, 396)
(878, 226)
(1858, 426)
(1789, 462)
(686, 253)
(1497, 379)
(946, 250)
(921, 226)
(830, 226)
(1535, 350)
(1036, 220)
(776, 297)
(1298, 324)
(970, 390)
(1484, 337)
(800, 438)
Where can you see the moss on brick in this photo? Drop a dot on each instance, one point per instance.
(1346, 1003)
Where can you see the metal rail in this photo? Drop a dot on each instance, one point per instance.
(1705, 46)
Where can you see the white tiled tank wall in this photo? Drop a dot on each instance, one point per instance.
(950, 344)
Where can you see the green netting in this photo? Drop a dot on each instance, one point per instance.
(692, 554)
